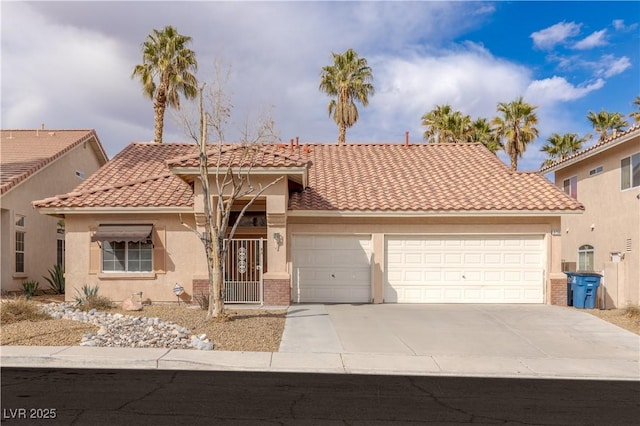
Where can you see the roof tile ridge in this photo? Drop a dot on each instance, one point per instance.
(208, 153)
(105, 188)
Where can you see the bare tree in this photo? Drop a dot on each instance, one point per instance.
(229, 168)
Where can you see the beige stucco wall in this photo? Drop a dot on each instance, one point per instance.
(378, 228)
(185, 258)
(611, 217)
(41, 230)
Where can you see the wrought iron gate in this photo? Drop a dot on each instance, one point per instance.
(243, 271)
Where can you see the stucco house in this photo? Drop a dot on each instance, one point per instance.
(361, 223)
(35, 164)
(605, 178)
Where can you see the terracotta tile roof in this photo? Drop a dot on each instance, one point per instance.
(422, 177)
(137, 177)
(24, 152)
(599, 146)
(236, 155)
(359, 177)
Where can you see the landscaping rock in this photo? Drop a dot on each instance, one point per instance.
(130, 305)
(128, 331)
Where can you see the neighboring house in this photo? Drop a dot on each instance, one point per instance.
(361, 223)
(35, 164)
(605, 178)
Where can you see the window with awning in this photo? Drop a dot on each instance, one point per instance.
(122, 233)
(125, 248)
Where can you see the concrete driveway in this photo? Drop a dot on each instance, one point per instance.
(470, 338)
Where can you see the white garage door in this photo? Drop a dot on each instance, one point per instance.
(331, 268)
(463, 269)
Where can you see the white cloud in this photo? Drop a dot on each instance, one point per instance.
(595, 39)
(555, 34)
(619, 25)
(469, 79)
(75, 77)
(610, 66)
(551, 90)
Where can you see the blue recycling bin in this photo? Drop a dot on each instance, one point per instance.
(585, 289)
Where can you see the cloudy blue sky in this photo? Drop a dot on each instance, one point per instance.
(68, 64)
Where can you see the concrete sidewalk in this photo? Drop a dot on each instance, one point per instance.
(310, 344)
(343, 363)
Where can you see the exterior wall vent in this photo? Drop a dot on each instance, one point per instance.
(596, 171)
(79, 174)
(628, 245)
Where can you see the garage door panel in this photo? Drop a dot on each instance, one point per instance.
(512, 259)
(472, 259)
(331, 268)
(464, 269)
(415, 258)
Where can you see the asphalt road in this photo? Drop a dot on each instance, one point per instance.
(161, 397)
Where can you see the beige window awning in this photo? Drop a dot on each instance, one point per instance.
(122, 233)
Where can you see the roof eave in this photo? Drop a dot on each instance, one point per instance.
(588, 154)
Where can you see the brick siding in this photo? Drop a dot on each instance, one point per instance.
(277, 292)
(559, 292)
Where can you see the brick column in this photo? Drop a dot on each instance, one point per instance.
(277, 292)
(558, 292)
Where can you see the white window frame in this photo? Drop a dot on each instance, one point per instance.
(20, 225)
(107, 244)
(572, 188)
(626, 176)
(586, 257)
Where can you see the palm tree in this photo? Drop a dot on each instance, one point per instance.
(605, 121)
(481, 132)
(434, 121)
(168, 69)
(346, 81)
(445, 125)
(636, 114)
(516, 127)
(559, 147)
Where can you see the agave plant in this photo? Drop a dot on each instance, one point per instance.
(30, 288)
(56, 279)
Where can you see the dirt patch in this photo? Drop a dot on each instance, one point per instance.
(628, 318)
(254, 330)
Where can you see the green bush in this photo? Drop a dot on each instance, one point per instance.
(30, 288)
(56, 279)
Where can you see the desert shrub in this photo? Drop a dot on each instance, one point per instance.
(89, 299)
(202, 300)
(632, 311)
(56, 279)
(21, 310)
(87, 292)
(30, 288)
(97, 302)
